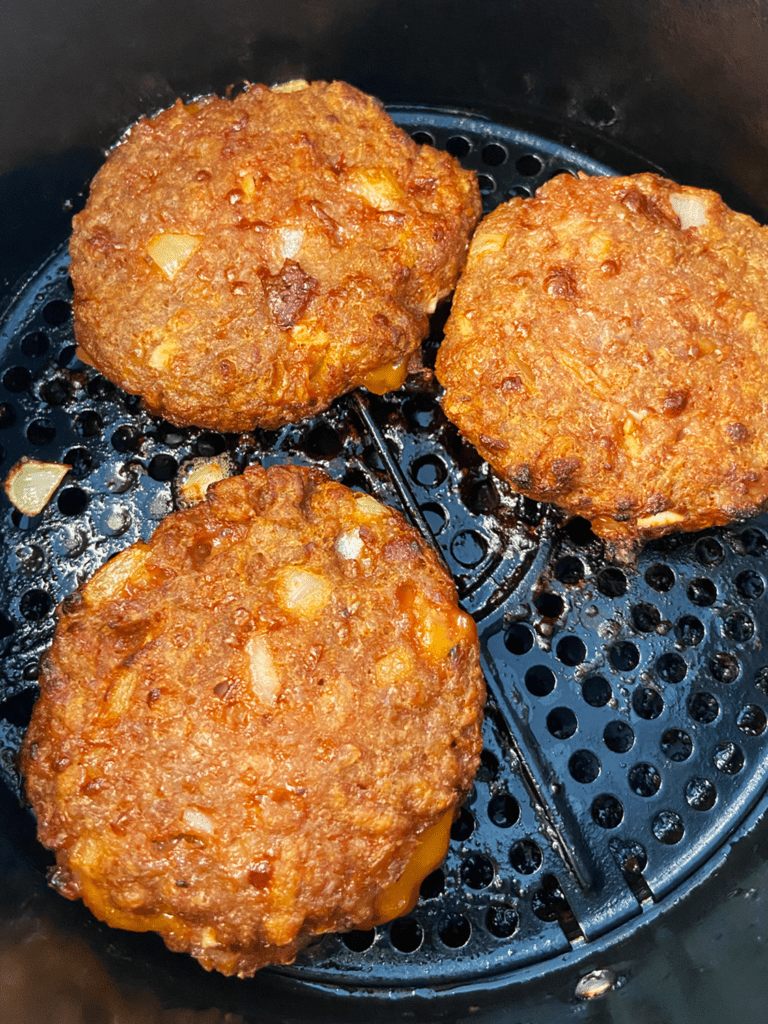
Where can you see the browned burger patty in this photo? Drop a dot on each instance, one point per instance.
(249, 724)
(242, 263)
(607, 350)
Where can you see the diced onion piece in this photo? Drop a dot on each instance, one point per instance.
(386, 378)
(196, 476)
(112, 577)
(172, 252)
(289, 242)
(690, 210)
(487, 242)
(368, 505)
(161, 355)
(198, 821)
(248, 186)
(349, 544)
(660, 519)
(302, 592)
(377, 186)
(295, 85)
(265, 682)
(118, 696)
(30, 484)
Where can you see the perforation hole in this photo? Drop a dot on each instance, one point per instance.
(41, 432)
(502, 920)
(644, 779)
(677, 745)
(607, 811)
(660, 577)
(645, 617)
(503, 810)
(454, 931)
(88, 423)
(528, 165)
(469, 548)
(562, 723)
(72, 501)
(208, 445)
(477, 872)
(761, 679)
(689, 631)
(100, 389)
(700, 794)
(549, 605)
(17, 379)
(750, 584)
(17, 710)
(488, 768)
(428, 471)
(724, 667)
(596, 691)
(703, 707)
(600, 111)
(486, 183)
(56, 392)
(494, 155)
(458, 146)
(619, 736)
(571, 650)
(729, 758)
(709, 551)
(569, 570)
(162, 468)
(540, 680)
(647, 703)
(423, 138)
(671, 668)
(580, 531)
(358, 941)
(7, 415)
(751, 720)
(463, 826)
(6, 626)
(584, 766)
(702, 591)
(624, 656)
(435, 516)
(738, 626)
(406, 934)
(668, 828)
(612, 582)
(125, 439)
(525, 857)
(35, 604)
(433, 885)
(56, 312)
(34, 345)
(755, 543)
(518, 639)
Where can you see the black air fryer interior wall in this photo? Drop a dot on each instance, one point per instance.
(681, 87)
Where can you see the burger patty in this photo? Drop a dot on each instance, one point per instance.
(250, 724)
(607, 350)
(241, 263)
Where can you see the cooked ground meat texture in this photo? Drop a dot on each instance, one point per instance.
(607, 350)
(248, 724)
(241, 263)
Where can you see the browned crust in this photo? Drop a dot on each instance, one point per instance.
(604, 357)
(240, 807)
(303, 280)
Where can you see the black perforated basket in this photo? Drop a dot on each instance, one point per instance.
(623, 780)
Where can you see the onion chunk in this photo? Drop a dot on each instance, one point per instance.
(30, 484)
(172, 252)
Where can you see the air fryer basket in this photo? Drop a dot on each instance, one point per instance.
(622, 792)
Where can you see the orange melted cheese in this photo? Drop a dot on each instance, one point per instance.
(400, 897)
(386, 378)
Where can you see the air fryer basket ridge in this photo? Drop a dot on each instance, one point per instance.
(626, 731)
